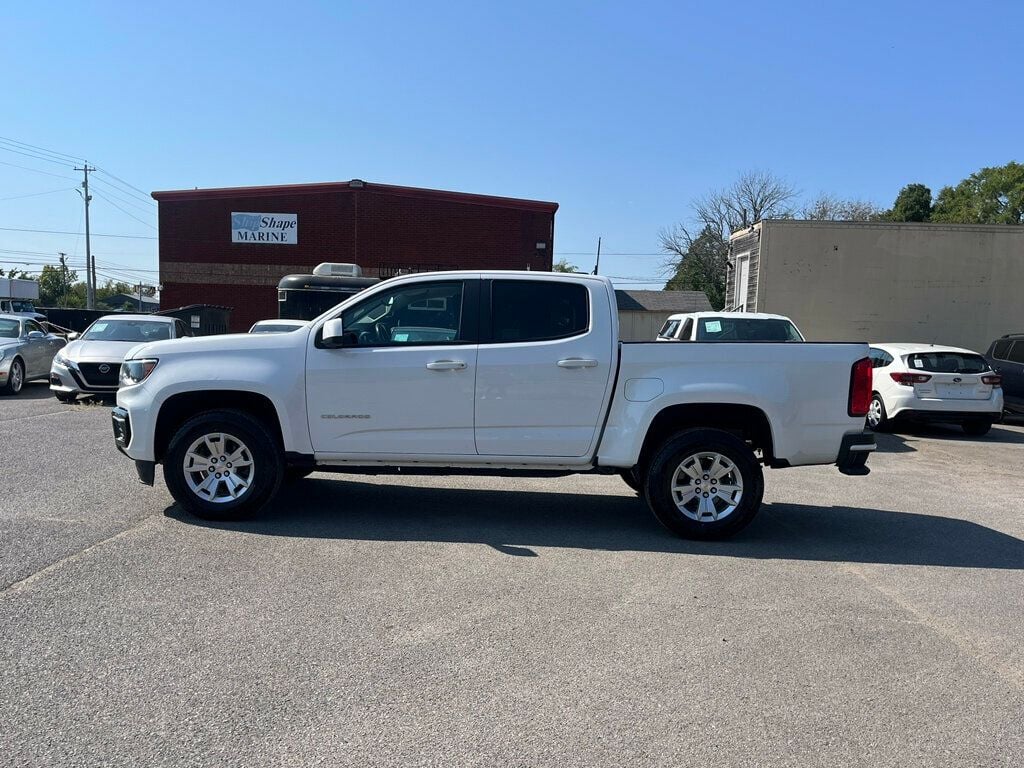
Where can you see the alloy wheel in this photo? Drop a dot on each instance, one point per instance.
(218, 468)
(707, 486)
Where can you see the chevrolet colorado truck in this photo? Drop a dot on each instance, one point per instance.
(490, 372)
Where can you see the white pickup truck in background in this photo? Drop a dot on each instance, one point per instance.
(729, 326)
(498, 372)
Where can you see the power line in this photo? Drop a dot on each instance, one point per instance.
(45, 173)
(130, 186)
(65, 232)
(42, 149)
(122, 210)
(132, 201)
(37, 194)
(63, 163)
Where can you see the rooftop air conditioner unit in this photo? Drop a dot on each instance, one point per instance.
(330, 269)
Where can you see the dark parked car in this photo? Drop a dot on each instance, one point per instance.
(1006, 355)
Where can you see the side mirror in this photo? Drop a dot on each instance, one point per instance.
(36, 335)
(334, 334)
(72, 336)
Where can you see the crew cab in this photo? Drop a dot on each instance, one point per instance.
(490, 372)
(729, 326)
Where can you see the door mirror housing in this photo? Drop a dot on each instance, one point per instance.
(36, 335)
(334, 336)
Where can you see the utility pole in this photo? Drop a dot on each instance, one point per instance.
(63, 276)
(598, 262)
(90, 266)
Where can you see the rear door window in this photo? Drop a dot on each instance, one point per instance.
(537, 310)
(1001, 349)
(947, 362)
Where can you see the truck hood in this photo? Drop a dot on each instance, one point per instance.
(229, 342)
(108, 351)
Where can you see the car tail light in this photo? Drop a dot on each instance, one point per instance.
(910, 379)
(860, 388)
(992, 380)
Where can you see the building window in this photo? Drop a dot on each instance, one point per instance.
(741, 283)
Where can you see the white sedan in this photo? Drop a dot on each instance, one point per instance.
(931, 383)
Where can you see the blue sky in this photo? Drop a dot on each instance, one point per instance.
(621, 112)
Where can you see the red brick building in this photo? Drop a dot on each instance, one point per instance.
(232, 246)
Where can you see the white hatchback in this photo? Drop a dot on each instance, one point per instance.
(931, 383)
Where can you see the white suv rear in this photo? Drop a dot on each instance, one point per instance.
(931, 383)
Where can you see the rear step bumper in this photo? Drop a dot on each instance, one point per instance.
(853, 453)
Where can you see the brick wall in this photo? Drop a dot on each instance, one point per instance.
(374, 227)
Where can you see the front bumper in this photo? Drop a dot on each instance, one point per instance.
(854, 451)
(122, 424)
(69, 380)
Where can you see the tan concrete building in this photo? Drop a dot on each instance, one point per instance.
(872, 281)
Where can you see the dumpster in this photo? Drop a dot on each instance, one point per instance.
(202, 319)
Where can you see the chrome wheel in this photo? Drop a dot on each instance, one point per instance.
(218, 468)
(707, 487)
(875, 412)
(17, 377)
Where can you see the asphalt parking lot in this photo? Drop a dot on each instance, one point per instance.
(480, 621)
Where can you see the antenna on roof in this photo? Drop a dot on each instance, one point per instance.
(598, 262)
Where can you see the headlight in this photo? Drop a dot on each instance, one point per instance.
(60, 359)
(2, 352)
(136, 371)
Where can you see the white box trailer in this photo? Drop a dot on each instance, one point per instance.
(17, 296)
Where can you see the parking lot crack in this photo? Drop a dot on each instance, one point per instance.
(23, 584)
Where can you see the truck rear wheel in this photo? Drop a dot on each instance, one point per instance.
(223, 465)
(704, 484)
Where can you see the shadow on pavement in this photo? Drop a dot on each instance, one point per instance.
(32, 390)
(514, 521)
(1000, 433)
(891, 443)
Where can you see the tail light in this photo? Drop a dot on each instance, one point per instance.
(992, 380)
(910, 379)
(860, 388)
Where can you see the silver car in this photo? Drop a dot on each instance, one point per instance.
(91, 364)
(26, 351)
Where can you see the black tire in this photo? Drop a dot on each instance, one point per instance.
(977, 427)
(670, 457)
(266, 456)
(14, 382)
(629, 477)
(292, 474)
(65, 397)
(885, 423)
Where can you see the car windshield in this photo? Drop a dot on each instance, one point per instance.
(669, 329)
(9, 329)
(127, 330)
(947, 362)
(727, 328)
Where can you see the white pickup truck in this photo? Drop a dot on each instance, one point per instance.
(490, 372)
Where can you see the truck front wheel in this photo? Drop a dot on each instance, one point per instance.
(223, 465)
(704, 484)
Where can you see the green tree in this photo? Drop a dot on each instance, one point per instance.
(699, 263)
(563, 265)
(993, 195)
(913, 203)
(16, 274)
(55, 286)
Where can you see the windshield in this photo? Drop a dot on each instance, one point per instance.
(9, 329)
(127, 330)
(947, 362)
(746, 329)
(668, 330)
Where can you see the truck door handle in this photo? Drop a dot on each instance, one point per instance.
(577, 362)
(446, 365)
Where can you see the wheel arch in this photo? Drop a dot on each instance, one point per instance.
(747, 422)
(179, 408)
